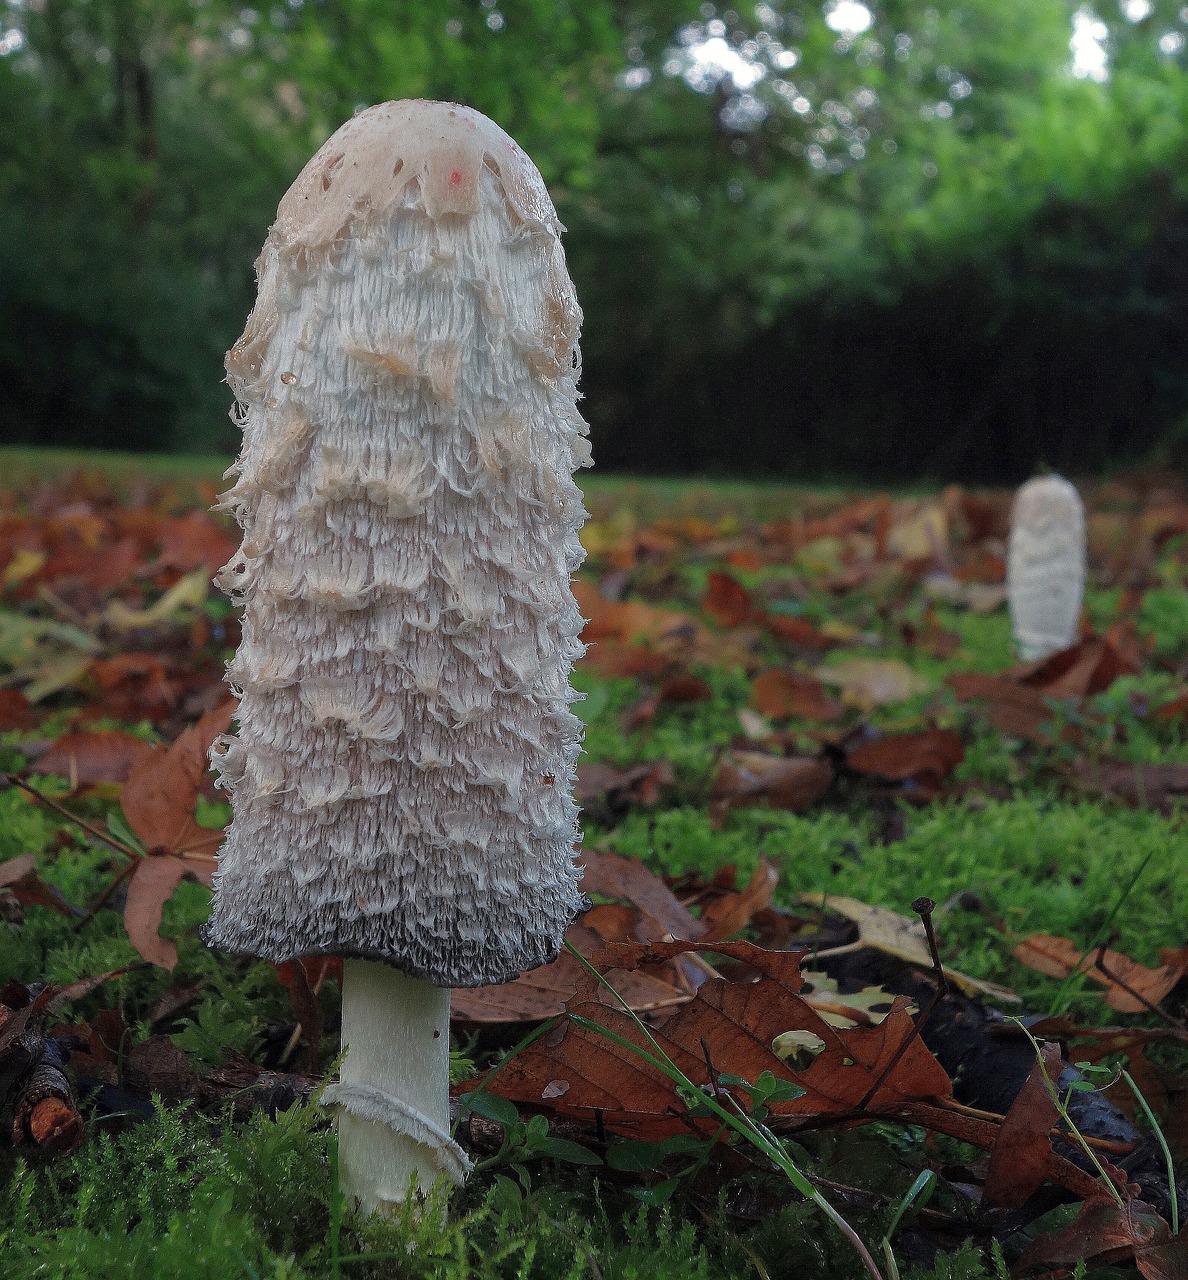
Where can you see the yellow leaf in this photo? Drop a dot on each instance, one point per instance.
(24, 564)
(873, 682)
(189, 592)
(898, 936)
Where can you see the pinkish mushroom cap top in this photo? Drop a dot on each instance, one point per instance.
(362, 169)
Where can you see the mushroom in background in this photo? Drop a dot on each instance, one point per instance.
(1046, 566)
(401, 778)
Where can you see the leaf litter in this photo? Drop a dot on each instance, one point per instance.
(845, 1017)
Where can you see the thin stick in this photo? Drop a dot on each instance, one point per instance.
(93, 910)
(924, 907)
(1100, 964)
(14, 780)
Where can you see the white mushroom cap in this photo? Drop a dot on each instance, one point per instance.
(401, 779)
(1046, 566)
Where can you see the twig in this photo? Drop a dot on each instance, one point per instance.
(923, 907)
(14, 780)
(93, 910)
(1100, 964)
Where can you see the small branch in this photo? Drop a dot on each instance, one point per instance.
(923, 907)
(1100, 964)
(14, 780)
(93, 910)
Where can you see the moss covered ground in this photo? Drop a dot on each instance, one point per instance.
(1014, 840)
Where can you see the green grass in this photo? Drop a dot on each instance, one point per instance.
(192, 1195)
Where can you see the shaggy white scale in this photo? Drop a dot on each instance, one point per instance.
(401, 779)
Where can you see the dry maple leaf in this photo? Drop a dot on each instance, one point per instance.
(159, 800)
(727, 1027)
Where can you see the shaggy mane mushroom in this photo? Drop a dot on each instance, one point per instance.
(401, 776)
(1046, 566)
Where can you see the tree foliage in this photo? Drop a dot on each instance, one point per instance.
(893, 235)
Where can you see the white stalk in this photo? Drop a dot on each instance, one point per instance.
(393, 1097)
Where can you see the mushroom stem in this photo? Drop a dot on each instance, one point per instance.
(393, 1096)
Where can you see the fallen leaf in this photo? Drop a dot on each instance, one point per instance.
(798, 632)
(926, 758)
(197, 542)
(899, 936)
(1088, 667)
(1014, 709)
(641, 784)
(780, 694)
(1022, 1152)
(726, 916)
(1142, 786)
(19, 876)
(612, 876)
(1106, 1232)
(158, 1066)
(1124, 979)
(864, 1008)
(186, 594)
(873, 682)
(675, 691)
(136, 686)
(151, 885)
(727, 601)
(16, 711)
(920, 535)
(159, 798)
(87, 758)
(24, 563)
(781, 782)
(1176, 709)
(542, 993)
(728, 1027)
(625, 620)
